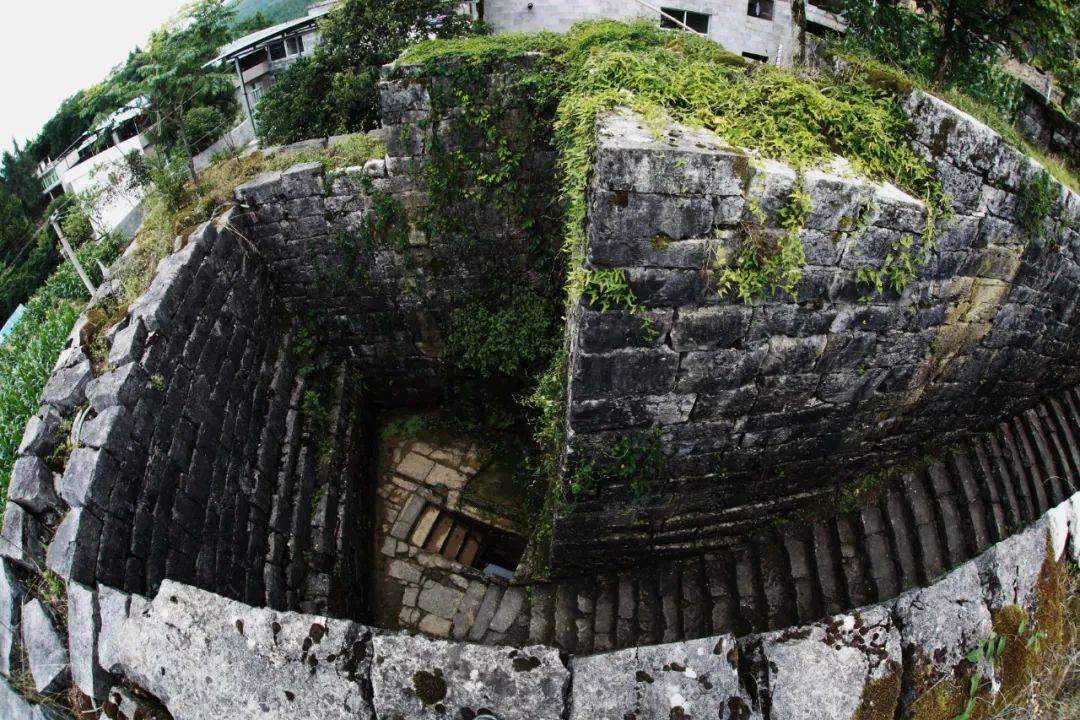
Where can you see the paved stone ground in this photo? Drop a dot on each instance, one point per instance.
(429, 536)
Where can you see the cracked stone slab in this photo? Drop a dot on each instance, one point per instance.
(416, 678)
(205, 656)
(12, 593)
(1010, 569)
(20, 538)
(852, 651)
(14, 706)
(693, 679)
(84, 623)
(946, 620)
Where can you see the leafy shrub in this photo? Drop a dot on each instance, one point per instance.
(203, 126)
(336, 91)
(635, 460)
(508, 339)
(76, 225)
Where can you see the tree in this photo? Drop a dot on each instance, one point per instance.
(251, 24)
(19, 178)
(337, 91)
(174, 76)
(988, 28)
(15, 227)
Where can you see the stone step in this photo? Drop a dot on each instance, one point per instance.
(879, 551)
(935, 516)
(952, 522)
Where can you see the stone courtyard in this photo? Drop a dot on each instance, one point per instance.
(437, 532)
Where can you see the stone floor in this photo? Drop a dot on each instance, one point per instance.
(442, 519)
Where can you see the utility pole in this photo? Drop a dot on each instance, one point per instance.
(70, 255)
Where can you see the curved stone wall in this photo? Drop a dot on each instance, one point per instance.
(762, 406)
(192, 457)
(201, 655)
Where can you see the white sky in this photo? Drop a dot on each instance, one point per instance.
(53, 48)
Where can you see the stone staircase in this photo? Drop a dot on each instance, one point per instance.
(442, 533)
(942, 513)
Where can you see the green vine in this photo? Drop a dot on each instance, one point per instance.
(903, 261)
(765, 265)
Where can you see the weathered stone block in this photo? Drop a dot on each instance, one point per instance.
(942, 623)
(12, 594)
(662, 287)
(46, 650)
(206, 656)
(32, 485)
(710, 371)
(788, 355)
(110, 429)
(859, 653)
(624, 372)
(303, 180)
(263, 189)
(617, 413)
(73, 551)
(692, 679)
(616, 329)
(417, 678)
(687, 161)
(13, 705)
(708, 328)
(88, 478)
(122, 386)
(66, 387)
(42, 433)
(21, 537)
(84, 623)
(127, 345)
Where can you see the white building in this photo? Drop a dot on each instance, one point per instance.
(95, 165)
(756, 29)
(259, 58)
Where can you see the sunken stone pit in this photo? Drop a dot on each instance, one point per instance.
(238, 536)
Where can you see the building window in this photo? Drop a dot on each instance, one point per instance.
(756, 57)
(277, 51)
(295, 45)
(698, 22)
(760, 9)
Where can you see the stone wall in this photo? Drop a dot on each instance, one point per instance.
(189, 453)
(763, 403)
(367, 254)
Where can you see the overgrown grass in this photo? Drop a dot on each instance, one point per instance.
(214, 192)
(1042, 676)
(28, 354)
(981, 111)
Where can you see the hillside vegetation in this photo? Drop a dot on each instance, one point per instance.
(276, 11)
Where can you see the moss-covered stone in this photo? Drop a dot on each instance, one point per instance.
(880, 697)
